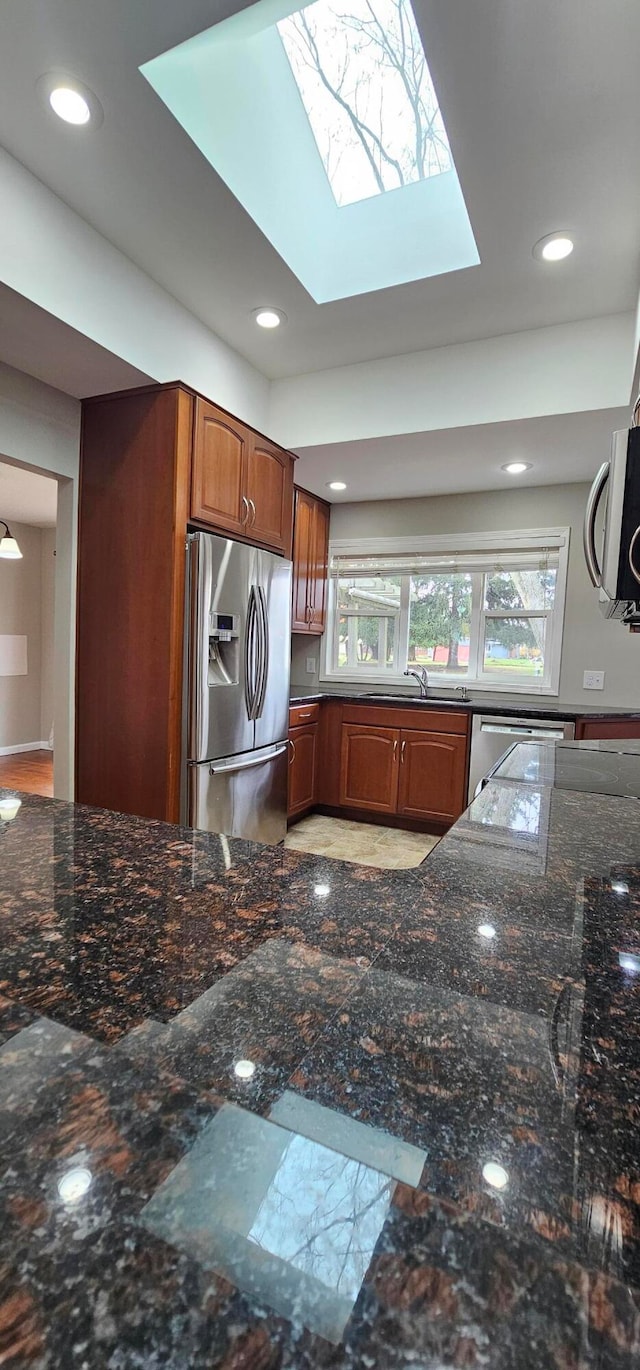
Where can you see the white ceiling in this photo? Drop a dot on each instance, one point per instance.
(541, 105)
(562, 448)
(26, 497)
(35, 341)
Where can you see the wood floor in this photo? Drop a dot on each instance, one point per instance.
(29, 771)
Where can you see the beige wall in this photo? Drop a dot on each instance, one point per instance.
(40, 429)
(590, 641)
(26, 608)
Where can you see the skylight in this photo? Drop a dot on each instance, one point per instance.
(365, 85)
(311, 116)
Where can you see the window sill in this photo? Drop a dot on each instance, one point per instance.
(446, 687)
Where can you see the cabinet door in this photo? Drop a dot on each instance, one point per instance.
(302, 530)
(593, 728)
(219, 457)
(269, 490)
(318, 569)
(432, 775)
(302, 767)
(369, 768)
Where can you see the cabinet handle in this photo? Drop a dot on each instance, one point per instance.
(304, 715)
(253, 514)
(395, 748)
(245, 505)
(404, 743)
(292, 755)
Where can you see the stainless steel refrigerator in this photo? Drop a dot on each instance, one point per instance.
(237, 689)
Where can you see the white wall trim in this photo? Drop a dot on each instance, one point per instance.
(25, 747)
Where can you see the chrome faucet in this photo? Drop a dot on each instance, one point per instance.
(423, 680)
(463, 692)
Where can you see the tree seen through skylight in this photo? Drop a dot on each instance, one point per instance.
(365, 85)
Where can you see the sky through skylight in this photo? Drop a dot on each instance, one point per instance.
(365, 85)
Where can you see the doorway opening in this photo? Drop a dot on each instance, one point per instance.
(29, 508)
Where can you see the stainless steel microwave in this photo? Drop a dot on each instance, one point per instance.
(614, 567)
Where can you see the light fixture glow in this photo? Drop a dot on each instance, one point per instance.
(629, 962)
(69, 105)
(8, 546)
(244, 1069)
(322, 891)
(336, 485)
(74, 1184)
(495, 1175)
(486, 930)
(554, 247)
(515, 468)
(9, 808)
(268, 317)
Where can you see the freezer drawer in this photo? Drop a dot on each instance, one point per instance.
(242, 796)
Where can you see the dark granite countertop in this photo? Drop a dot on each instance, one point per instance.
(264, 1110)
(507, 708)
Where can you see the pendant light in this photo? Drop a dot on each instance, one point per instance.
(8, 545)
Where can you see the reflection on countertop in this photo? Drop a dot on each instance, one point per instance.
(262, 1109)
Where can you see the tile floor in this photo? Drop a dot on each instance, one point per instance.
(365, 843)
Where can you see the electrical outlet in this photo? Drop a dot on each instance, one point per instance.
(311, 665)
(593, 680)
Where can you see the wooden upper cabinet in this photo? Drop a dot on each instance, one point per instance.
(219, 459)
(269, 490)
(433, 772)
(310, 563)
(369, 768)
(303, 515)
(241, 483)
(319, 567)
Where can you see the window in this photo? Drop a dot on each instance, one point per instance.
(486, 611)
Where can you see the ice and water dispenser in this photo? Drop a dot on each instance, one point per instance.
(224, 649)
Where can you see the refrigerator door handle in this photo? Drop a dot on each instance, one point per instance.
(263, 637)
(246, 764)
(250, 654)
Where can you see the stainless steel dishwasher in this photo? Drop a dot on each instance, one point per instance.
(492, 735)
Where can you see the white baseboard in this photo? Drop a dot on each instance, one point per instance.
(25, 747)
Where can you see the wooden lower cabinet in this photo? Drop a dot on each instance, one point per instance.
(593, 728)
(369, 768)
(433, 772)
(411, 773)
(302, 768)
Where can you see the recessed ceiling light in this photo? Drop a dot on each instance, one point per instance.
(266, 317)
(515, 468)
(70, 99)
(554, 247)
(336, 485)
(495, 1175)
(69, 105)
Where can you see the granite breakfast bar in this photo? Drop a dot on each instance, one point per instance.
(263, 1110)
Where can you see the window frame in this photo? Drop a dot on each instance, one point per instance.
(534, 540)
